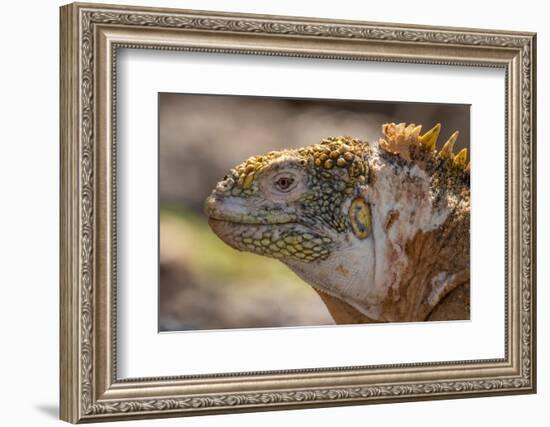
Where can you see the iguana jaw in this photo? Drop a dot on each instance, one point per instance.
(246, 211)
(245, 226)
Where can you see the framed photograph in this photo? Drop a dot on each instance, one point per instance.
(266, 212)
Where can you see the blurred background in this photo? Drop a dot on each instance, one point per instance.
(205, 284)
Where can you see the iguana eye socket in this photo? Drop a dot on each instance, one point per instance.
(284, 183)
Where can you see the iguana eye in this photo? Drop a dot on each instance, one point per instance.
(284, 183)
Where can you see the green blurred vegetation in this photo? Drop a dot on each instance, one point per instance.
(206, 284)
(189, 235)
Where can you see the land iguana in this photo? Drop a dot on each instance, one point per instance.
(380, 230)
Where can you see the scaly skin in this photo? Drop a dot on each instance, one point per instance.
(380, 231)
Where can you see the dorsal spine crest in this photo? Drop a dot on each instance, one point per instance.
(405, 140)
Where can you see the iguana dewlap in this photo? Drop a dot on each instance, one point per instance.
(380, 230)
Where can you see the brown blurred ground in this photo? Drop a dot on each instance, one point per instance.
(203, 283)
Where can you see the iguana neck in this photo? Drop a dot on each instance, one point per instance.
(418, 250)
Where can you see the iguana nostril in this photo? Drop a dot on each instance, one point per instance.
(225, 185)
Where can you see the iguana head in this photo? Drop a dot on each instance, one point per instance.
(340, 213)
(294, 205)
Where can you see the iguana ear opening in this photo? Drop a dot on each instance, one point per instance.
(360, 218)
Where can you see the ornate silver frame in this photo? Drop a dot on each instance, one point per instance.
(90, 36)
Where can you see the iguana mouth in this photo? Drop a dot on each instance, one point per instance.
(232, 210)
(227, 231)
